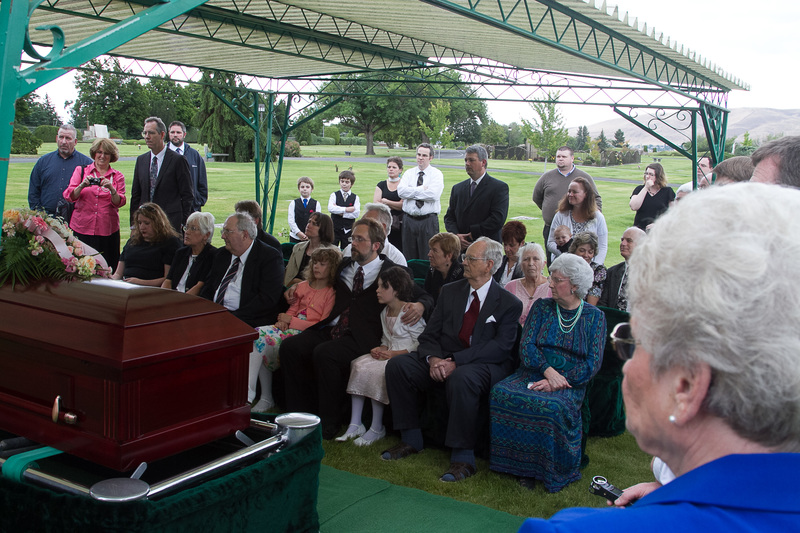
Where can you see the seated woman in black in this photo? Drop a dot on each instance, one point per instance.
(148, 254)
(443, 254)
(192, 262)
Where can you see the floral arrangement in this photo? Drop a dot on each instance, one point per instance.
(36, 246)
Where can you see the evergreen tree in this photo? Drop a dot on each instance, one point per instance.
(582, 138)
(602, 142)
(619, 139)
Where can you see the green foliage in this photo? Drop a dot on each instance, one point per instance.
(24, 142)
(292, 149)
(33, 111)
(325, 140)
(547, 132)
(46, 134)
(619, 139)
(602, 142)
(333, 133)
(218, 123)
(354, 141)
(111, 97)
(582, 138)
(169, 101)
(437, 130)
(494, 134)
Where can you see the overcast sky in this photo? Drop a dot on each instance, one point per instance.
(755, 41)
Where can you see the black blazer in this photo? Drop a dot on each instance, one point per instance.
(495, 331)
(200, 268)
(610, 294)
(515, 274)
(262, 284)
(174, 192)
(484, 214)
(365, 311)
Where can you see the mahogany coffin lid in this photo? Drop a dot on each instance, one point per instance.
(141, 372)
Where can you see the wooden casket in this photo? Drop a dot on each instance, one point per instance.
(118, 374)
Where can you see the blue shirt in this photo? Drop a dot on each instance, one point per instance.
(737, 493)
(50, 177)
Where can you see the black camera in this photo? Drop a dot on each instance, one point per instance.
(602, 487)
(95, 180)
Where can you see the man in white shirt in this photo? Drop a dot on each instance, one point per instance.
(420, 188)
(383, 215)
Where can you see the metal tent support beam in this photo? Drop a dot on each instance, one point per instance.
(15, 83)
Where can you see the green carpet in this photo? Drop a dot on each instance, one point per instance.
(351, 503)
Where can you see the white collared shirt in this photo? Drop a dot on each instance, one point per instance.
(234, 292)
(175, 148)
(429, 192)
(482, 292)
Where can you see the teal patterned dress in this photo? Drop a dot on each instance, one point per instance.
(538, 434)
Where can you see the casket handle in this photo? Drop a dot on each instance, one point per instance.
(69, 418)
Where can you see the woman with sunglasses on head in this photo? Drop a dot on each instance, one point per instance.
(712, 378)
(192, 262)
(98, 191)
(148, 254)
(653, 198)
(535, 413)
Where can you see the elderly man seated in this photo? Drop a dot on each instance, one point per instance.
(615, 289)
(466, 349)
(247, 278)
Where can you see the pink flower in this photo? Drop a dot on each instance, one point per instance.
(36, 225)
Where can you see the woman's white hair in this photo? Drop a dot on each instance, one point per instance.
(578, 271)
(715, 283)
(205, 221)
(531, 247)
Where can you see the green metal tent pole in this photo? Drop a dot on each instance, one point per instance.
(268, 161)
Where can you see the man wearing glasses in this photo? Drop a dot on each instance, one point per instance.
(162, 176)
(465, 349)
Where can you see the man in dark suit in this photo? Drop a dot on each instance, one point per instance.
(615, 292)
(316, 362)
(197, 167)
(247, 278)
(161, 176)
(479, 205)
(465, 348)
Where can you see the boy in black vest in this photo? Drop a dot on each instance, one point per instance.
(344, 207)
(300, 210)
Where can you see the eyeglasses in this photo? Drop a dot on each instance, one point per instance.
(359, 239)
(226, 231)
(558, 280)
(622, 338)
(149, 133)
(472, 259)
(186, 228)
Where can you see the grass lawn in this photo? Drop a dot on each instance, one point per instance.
(618, 458)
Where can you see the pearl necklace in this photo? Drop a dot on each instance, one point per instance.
(566, 326)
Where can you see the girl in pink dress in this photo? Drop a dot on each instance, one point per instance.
(313, 302)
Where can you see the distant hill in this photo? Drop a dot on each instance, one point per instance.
(759, 121)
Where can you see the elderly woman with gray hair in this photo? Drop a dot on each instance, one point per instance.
(585, 245)
(534, 284)
(712, 378)
(192, 262)
(536, 412)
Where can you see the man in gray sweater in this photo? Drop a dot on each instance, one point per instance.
(553, 185)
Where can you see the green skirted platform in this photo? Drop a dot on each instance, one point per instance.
(351, 503)
(276, 494)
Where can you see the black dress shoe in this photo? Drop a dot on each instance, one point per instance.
(399, 451)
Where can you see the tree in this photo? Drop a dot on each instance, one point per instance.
(493, 133)
(466, 117)
(602, 142)
(437, 131)
(547, 132)
(217, 121)
(582, 138)
(37, 112)
(169, 101)
(109, 95)
(619, 139)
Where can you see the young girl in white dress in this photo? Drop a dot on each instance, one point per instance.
(313, 301)
(367, 373)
